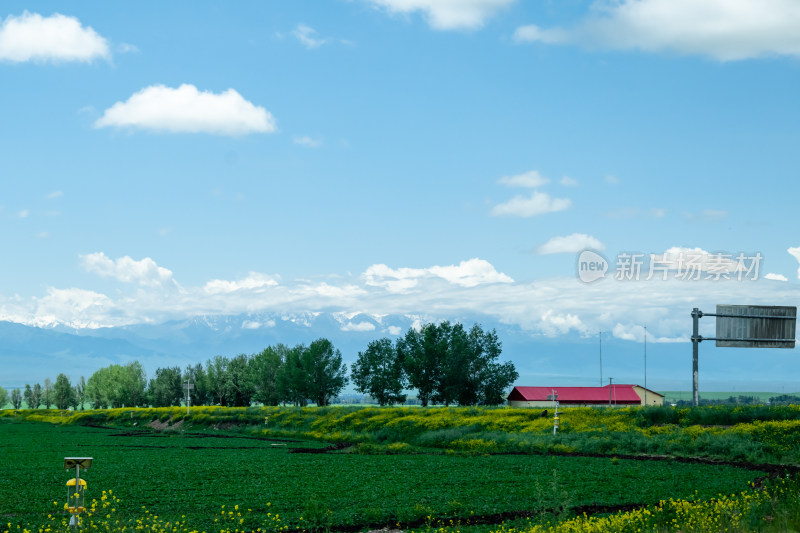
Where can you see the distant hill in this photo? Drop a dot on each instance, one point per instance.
(30, 354)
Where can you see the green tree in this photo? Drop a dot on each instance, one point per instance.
(449, 364)
(229, 381)
(239, 385)
(27, 395)
(197, 376)
(458, 380)
(423, 353)
(3, 397)
(62, 392)
(499, 378)
(36, 397)
(16, 399)
(118, 386)
(80, 393)
(264, 369)
(133, 387)
(47, 393)
(99, 388)
(292, 378)
(165, 388)
(216, 370)
(471, 374)
(378, 371)
(325, 371)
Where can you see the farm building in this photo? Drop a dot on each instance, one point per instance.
(587, 396)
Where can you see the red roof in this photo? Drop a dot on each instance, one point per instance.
(620, 394)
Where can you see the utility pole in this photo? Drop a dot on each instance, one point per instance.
(555, 415)
(610, 388)
(645, 364)
(696, 314)
(189, 386)
(600, 340)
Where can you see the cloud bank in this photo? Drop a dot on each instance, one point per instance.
(149, 293)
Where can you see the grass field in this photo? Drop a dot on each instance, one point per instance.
(194, 473)
(674, 396)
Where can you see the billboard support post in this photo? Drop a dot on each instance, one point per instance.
(744, 326)
(696, 314)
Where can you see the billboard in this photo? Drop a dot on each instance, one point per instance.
(756, 326)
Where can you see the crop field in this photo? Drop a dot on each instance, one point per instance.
(190, 474)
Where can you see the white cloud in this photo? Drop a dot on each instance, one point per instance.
(636, 333)
(628, 333)
(32, 37)
(361, 326)
(145, 272)
(538, 203)
(533, 33)
(722, 29)
(447, 14)
(566, 181)
(612, 180)
(696, 260)
(795, 252)
(23, 213)
(395, 280)
(776, 277)
(394, 330)
(326, 290)
(552, 323)
(305, 140)
(307, 36)
(570, 244)
(75, 307)
(531, 179)
(254, 282)
(470, 273)
(188, 110)
(466, 274)
(55, 194)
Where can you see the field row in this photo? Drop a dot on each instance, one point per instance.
(175, 475)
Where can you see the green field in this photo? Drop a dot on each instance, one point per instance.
(674, 396)
(193, 474)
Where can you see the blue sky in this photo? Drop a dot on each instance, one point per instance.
(396, 156)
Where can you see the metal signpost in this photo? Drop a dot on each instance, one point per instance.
(744, 326)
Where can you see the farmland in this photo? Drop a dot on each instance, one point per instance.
(416, 467)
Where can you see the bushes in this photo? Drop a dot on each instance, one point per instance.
(752, 433)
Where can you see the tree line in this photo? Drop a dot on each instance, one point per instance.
(446, 364)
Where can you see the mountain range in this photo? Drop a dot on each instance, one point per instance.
(30, 354)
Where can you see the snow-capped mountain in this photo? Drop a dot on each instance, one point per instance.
(30, 354)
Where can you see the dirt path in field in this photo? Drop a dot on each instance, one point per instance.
(772, 469)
